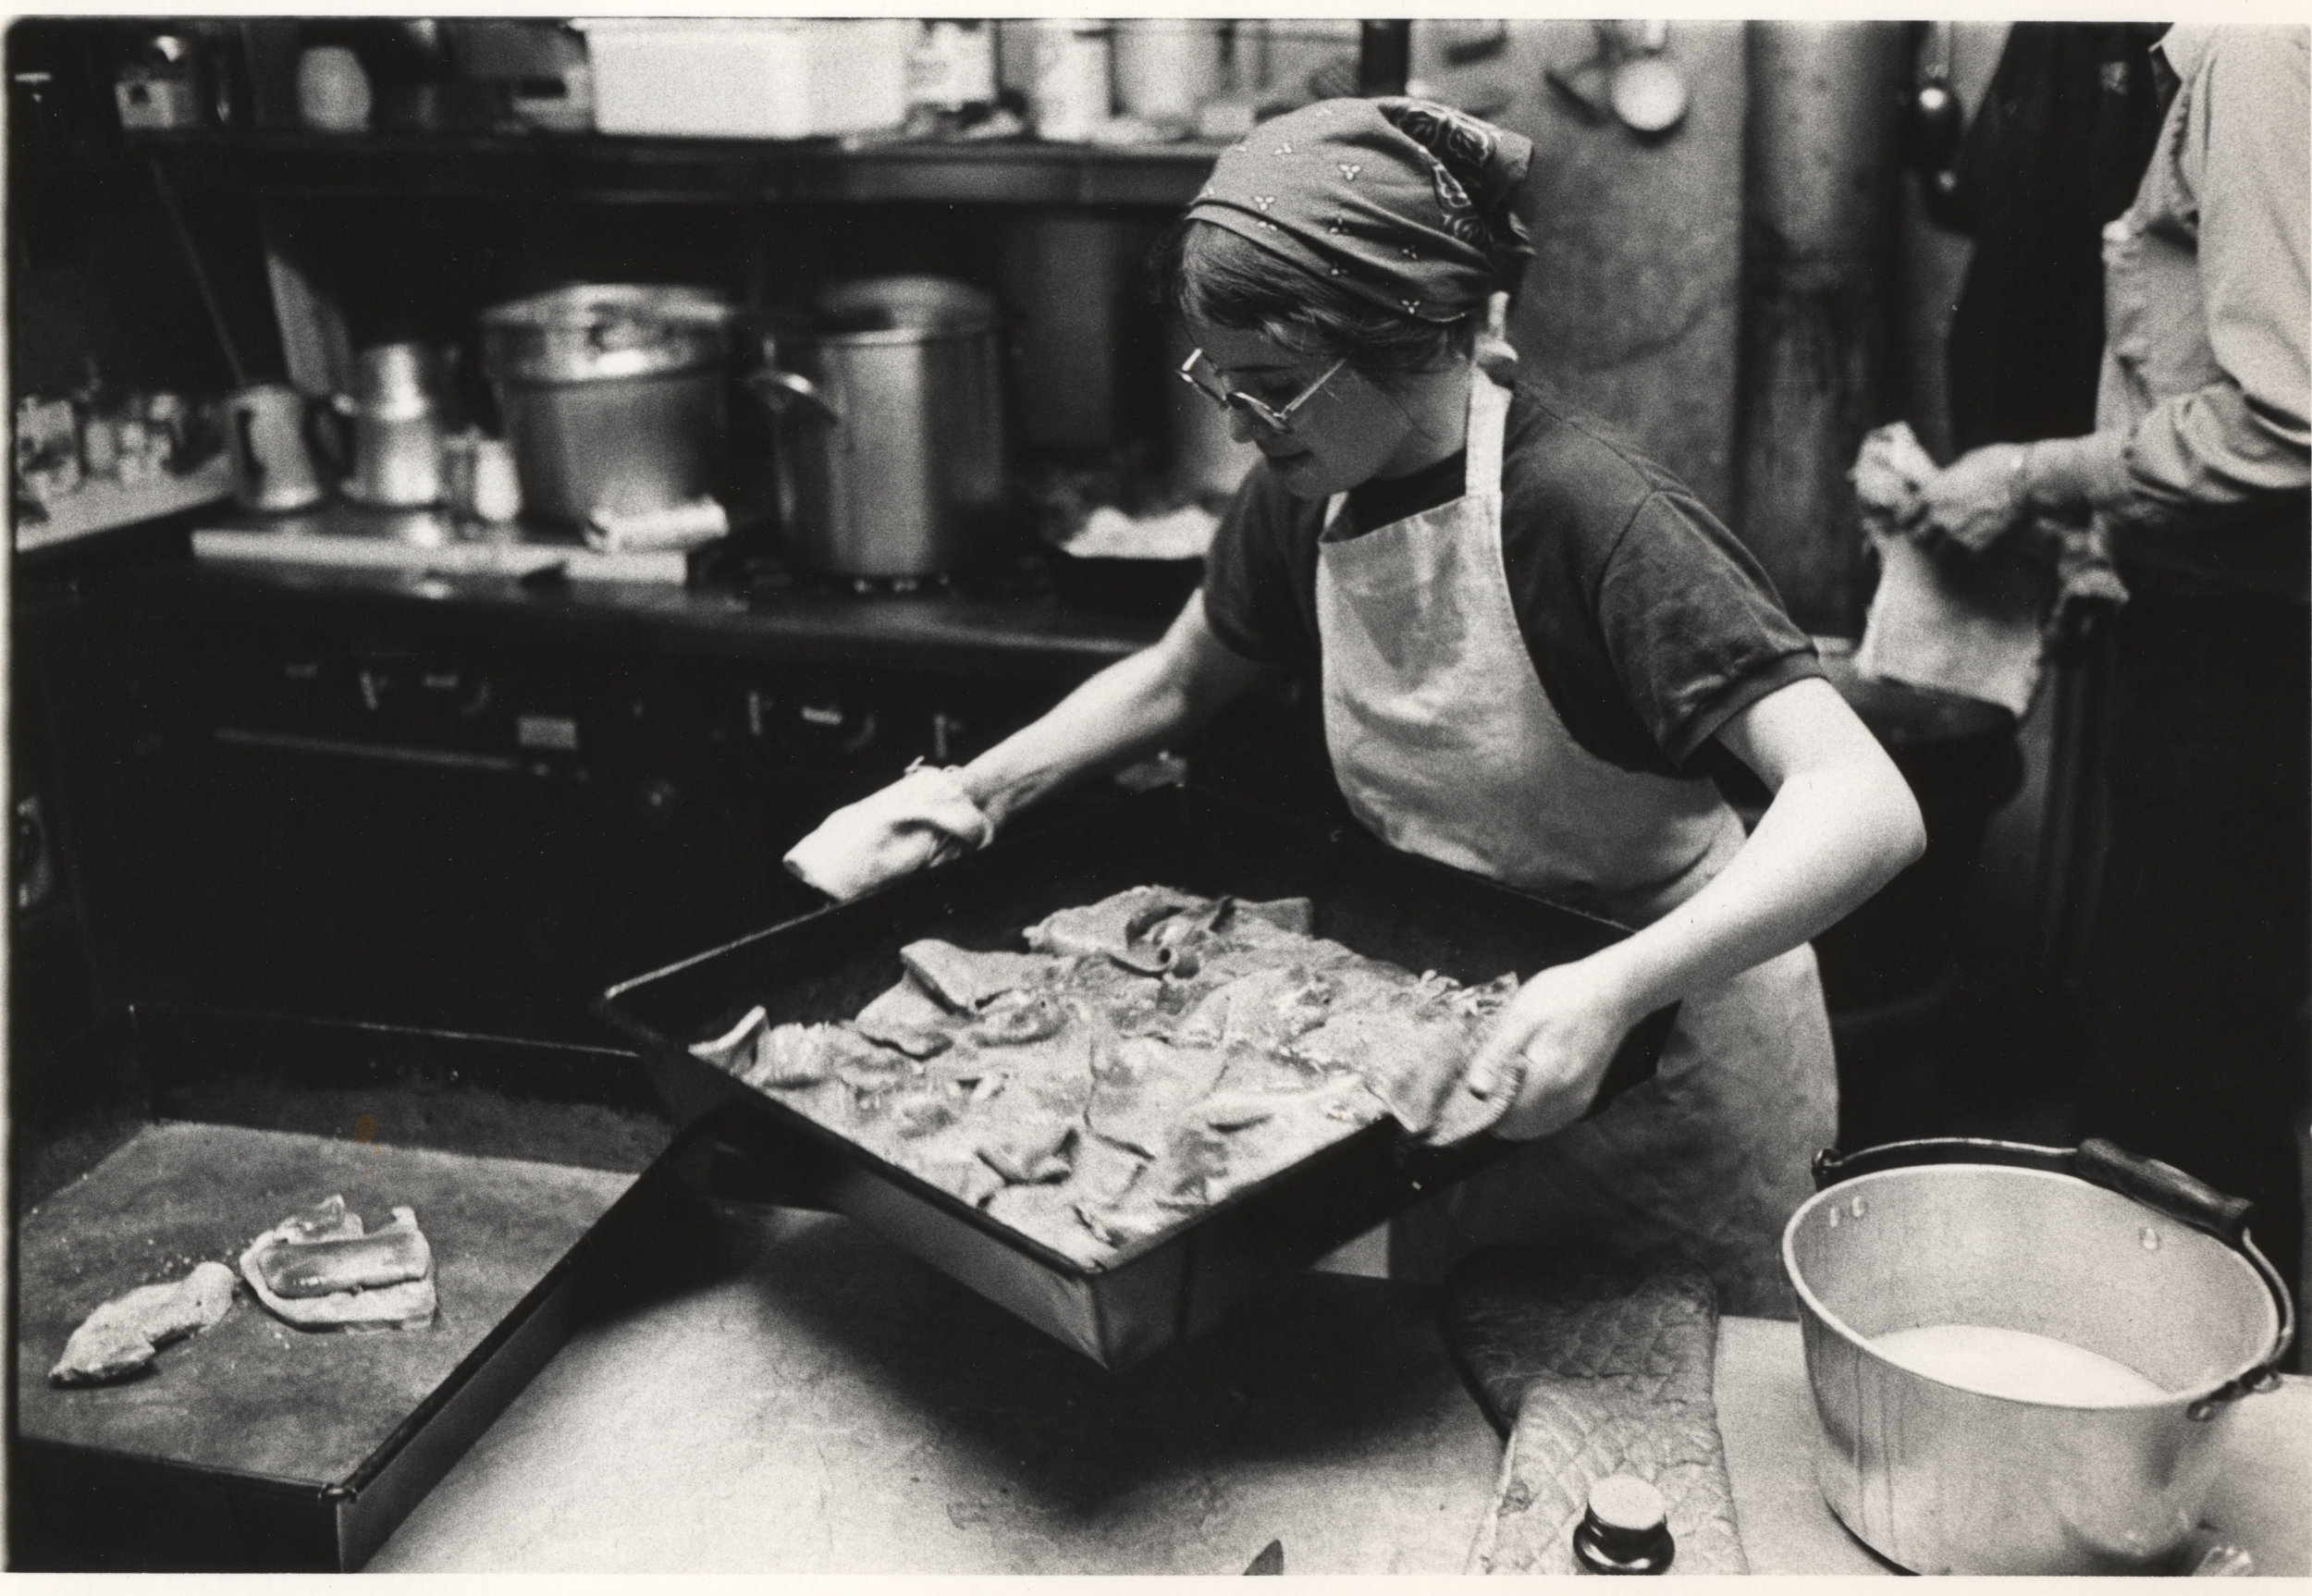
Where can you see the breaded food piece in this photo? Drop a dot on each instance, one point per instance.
(120, 1338)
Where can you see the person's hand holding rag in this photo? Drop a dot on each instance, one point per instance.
(1887, 475)
(922, 819)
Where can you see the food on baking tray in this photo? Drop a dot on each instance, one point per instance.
(1150, 1055)
(120, 1338)
(319, 1270)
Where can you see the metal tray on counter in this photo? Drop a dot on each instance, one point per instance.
(255, 1447)
(829, 965)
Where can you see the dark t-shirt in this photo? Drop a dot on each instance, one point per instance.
(1648, 625)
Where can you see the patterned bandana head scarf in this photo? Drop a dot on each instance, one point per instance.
(1410, 204)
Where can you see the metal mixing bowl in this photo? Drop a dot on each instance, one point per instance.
(1943, 1478)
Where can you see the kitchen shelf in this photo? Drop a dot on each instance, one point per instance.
(604, 168)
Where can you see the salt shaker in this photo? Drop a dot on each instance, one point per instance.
(1626, 1530)
(479, 473)
(496, 486)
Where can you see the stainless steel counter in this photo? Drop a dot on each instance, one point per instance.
(825, 1404)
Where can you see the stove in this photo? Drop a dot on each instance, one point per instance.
(413, 820)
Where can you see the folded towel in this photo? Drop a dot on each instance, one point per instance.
(1591, 1374)
(678, 526)
(924, 818)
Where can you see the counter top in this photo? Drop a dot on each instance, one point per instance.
(825, 1404)
(1011, 627)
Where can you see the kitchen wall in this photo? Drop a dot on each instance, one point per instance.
(1633, 301)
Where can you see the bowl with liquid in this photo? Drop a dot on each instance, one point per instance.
(2024, 1358)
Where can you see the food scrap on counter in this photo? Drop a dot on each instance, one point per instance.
(1151, 1055)
(319, 1270)
(122, 1337)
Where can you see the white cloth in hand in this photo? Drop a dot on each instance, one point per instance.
(1961, 623)
(922, 819)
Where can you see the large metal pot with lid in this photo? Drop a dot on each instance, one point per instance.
(2024, 1358)
(614, 395)
(890, 428)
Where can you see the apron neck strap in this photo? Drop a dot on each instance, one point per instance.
(1488, 420)
(1488, 416)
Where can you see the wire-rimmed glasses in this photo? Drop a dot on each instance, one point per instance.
(1201, 374)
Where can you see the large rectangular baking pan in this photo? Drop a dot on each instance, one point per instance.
(254, 1448)
(827, 966)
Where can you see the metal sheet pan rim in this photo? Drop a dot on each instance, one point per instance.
(1424, 912)
(791, 1119)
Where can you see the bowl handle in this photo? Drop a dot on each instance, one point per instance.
(2181, 1197)
(2160, 1186)
(2191, 1201)
(1832, 1166)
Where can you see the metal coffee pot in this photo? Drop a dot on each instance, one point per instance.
(392, 459)
(269, 429)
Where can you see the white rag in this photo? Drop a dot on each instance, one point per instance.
(1109, 533)
(922, 819)
(680, 526)
(1969, 626)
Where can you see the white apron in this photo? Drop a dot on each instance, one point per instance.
(1446, 744)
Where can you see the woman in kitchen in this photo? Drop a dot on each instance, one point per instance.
(1533, 645)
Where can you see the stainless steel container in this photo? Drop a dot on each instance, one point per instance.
(890, 430)
(393, 460)
(613, 395)
(269, 429)
(1166, 67)
(1943, 1478)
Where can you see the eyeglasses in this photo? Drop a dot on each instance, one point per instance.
(1204, 376)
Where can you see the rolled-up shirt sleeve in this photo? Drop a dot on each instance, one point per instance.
(2243, 439)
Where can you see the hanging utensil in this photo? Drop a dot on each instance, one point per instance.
(1934, 121)
(1626, 77)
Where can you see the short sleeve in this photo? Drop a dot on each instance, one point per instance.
(1252, 590)
(1692, 625)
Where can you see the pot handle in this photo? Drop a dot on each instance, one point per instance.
(328, 430)
(780, 389)
(2158, 1186)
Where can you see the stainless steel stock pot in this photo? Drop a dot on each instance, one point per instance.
(614, 395)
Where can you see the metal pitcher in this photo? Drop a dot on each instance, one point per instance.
(890, 429)
(392, 456)
(270, 432)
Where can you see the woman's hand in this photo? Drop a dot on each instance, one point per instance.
(1974, 502)
(1841, 825)
(1551, 1047)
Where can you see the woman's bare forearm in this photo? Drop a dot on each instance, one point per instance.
(1133, 708)
(1843, 823)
